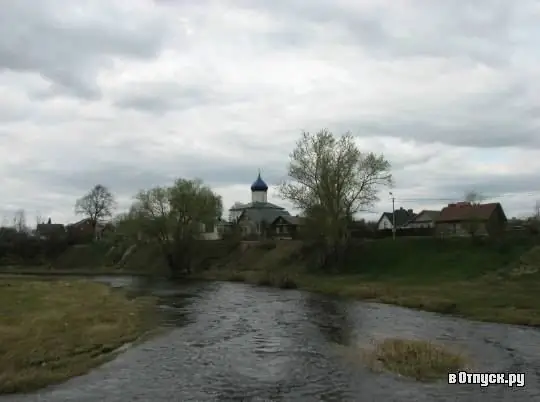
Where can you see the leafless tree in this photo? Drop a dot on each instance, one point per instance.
(19, 221)
(97, 204)
(473, 222)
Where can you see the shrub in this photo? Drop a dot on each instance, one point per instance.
(422, 360)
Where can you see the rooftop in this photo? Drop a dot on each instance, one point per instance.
(259, 184)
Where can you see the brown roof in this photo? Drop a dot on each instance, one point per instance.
(462, 211)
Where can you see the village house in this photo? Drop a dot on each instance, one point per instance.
(401, 216)
(50, 230)
(467, 219)
(213, 231)
(425, 219)
(286, 226)
(84, 229)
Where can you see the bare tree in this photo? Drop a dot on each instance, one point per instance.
(330, 180)
(537, 210)
(473, 222)
(19, 221)
(39, 219)
(474, 197)
(97, 204)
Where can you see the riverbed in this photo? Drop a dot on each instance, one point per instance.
(237, 342)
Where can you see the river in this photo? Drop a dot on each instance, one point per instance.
(236, 342)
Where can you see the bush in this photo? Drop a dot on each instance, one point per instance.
(421, 360)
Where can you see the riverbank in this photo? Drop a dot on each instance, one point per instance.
(495, 282)
(485, 299)
(489, 280)
(54, 330)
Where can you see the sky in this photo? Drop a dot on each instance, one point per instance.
(132, 94)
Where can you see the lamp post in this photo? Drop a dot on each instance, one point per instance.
(393, 217)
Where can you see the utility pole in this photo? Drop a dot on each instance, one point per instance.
(393, 216)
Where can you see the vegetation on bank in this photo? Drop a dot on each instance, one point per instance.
(421, 360)
(53, 330)
(489, 280)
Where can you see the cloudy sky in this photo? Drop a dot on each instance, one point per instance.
(133, 93)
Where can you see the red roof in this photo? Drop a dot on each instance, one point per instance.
(462, 211)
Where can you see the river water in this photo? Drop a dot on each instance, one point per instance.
(236, 342)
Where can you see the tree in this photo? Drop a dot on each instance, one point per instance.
(97, 204)
(19, 221)
(173, 217)
(330, 180)
(39, 219)
(473, 223)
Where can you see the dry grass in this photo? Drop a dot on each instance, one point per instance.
(53, 330)
(421, 360)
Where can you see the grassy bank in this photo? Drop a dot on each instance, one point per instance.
(54, 330)
(490, 281)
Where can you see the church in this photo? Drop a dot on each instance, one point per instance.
(254, 216)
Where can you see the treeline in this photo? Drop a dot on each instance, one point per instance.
(23, 247)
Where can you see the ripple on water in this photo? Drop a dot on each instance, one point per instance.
(239, 342)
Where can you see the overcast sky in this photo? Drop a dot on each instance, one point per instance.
(133, 93)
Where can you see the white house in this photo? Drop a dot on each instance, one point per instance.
(401, 217)
(425, 219)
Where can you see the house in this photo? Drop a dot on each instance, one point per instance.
(85, 229)
(286, 226)
(255, 217)
(401, 216)
(50, 230)
(214, 231)
(425, 219)
(467, 219)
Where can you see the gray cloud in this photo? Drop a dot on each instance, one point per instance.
(421, 81)
(68, 45)
(160, 97)
(479, 30)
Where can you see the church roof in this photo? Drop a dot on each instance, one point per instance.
(258, 206)
(259, 184)
(260, 215)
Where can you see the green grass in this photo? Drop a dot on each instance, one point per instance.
(429, 259)
(53, 330)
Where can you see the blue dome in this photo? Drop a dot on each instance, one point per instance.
(259, 184)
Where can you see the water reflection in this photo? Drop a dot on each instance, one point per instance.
(331, 317)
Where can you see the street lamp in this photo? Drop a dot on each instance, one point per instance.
(393, 216)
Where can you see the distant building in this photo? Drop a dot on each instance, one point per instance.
(467, 219)
(401, 217)
(256, 216)
(425, 219)
(50, 230)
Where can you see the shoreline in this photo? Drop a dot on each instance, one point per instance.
(18, 271)
(480, 299)
(443, 298)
